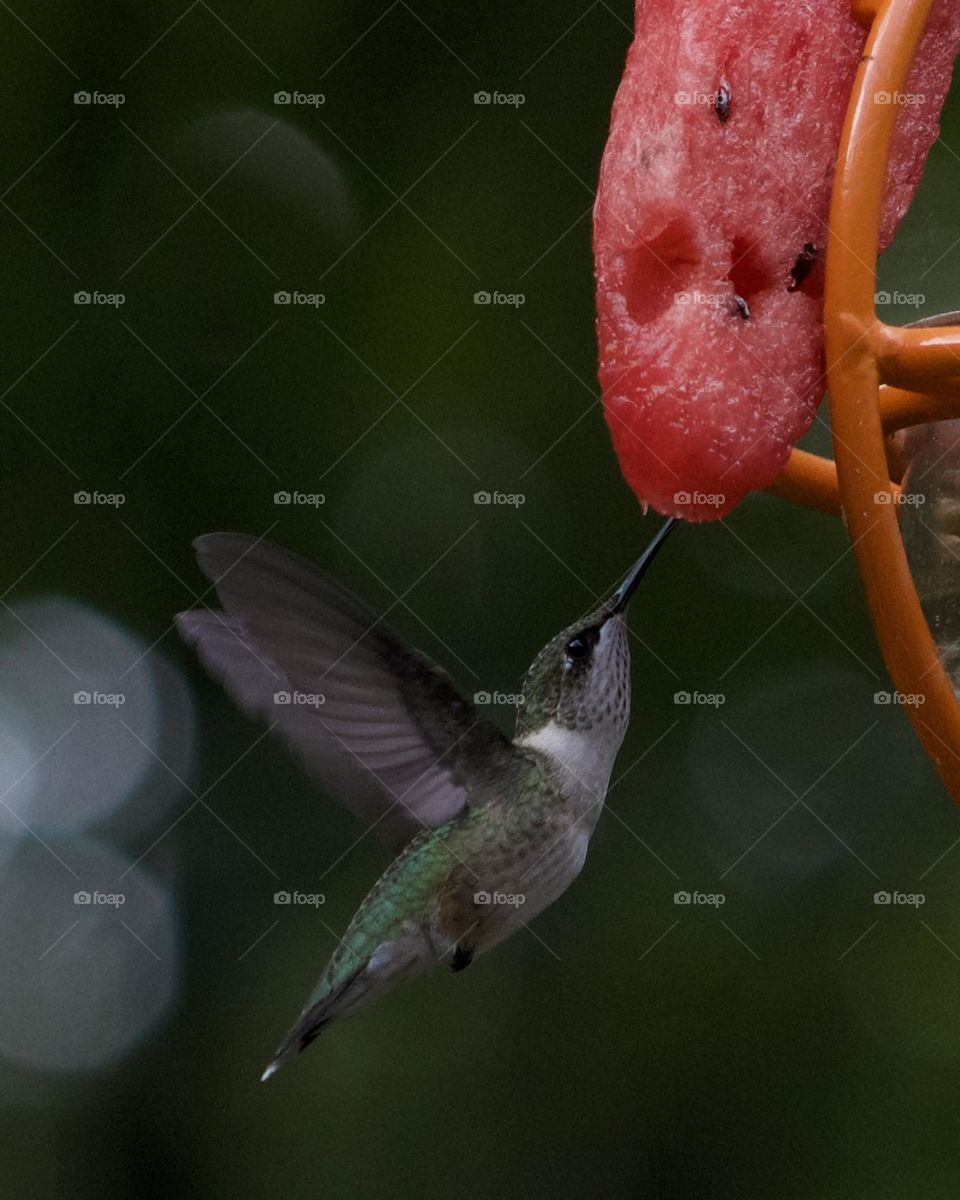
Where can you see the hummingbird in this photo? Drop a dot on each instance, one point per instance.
(485, 830)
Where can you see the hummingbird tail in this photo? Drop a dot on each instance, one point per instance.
(307, 1030)
(311, 1024)
(393, 959)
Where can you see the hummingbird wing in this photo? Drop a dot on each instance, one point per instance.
(380, 725)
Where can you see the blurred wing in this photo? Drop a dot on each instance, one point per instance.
(381, 726)
(259, 688)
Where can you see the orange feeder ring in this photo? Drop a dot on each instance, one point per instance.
(880, 378)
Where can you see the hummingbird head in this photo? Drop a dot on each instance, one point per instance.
(580, 681)
(581, 678)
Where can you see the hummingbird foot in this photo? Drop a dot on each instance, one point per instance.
(462, 957)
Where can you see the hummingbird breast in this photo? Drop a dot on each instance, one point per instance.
(514, 859)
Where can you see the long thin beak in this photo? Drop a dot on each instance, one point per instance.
(621, 597)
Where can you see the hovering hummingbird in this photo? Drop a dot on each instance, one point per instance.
(476, 821)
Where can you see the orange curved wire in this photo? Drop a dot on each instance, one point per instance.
(862, 355)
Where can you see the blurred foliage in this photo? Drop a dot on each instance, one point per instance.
(797, 1042)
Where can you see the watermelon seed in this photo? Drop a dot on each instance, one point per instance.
(742, 308)
(721, 106)
(803, 266)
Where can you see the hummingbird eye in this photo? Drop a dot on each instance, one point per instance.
(581, 646)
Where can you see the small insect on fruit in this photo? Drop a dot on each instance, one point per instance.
(803, 266)
(721, 106)
(741, 308)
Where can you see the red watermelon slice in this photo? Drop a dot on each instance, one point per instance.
(709, 226)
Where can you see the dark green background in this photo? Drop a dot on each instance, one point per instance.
(750, 1052)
